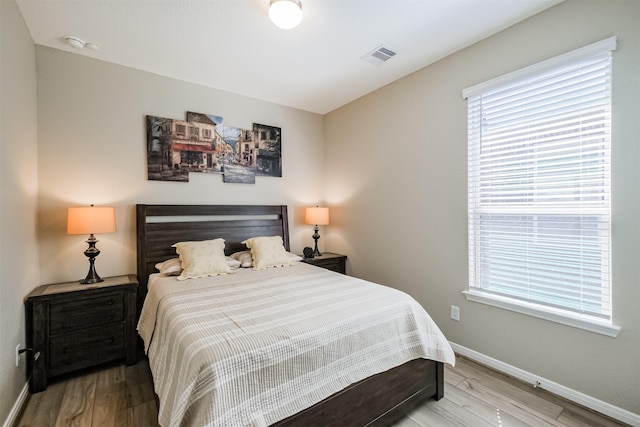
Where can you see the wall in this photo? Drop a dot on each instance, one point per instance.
(92, 149)
(395, 164)
(18, 193)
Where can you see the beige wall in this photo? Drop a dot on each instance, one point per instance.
(91, 117)
(395, 170)
(18, 193)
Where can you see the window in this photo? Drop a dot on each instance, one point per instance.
(539, 189)
(194, 132)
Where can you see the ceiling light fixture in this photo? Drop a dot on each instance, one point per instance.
(285, 14)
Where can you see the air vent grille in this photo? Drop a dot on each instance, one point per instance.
(378, 55)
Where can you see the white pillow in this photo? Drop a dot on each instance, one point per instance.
(244, 258)
(294, 257)
(202, 259)
(170, 267)
(173, 266)
(233, 263)
(267, 252)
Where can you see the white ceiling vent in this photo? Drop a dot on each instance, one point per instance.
(378, 55)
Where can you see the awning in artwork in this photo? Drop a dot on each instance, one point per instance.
(191, 147)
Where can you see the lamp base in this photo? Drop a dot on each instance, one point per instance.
(316, 236)
(92, 276)
(89, 281)
(92, 252)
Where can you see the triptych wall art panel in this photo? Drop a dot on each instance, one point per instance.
(203, 143)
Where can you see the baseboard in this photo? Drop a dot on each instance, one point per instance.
(553, 387)
(12, 418)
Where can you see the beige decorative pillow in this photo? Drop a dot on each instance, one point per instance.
(202, 259)
(267, 252)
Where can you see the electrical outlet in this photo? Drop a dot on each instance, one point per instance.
(455, 313)
(18, 354)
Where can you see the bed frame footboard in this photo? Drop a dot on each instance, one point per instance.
(379, 400)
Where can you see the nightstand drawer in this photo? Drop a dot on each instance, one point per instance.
(90, 345)
(86, 313)
(331, 265)
(329, 261)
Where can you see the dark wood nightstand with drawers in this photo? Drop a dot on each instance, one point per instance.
(72, 326)
(330, 261)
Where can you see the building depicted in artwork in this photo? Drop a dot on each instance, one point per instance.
(268, 157)
(246, 149)
(195, 146)
(160, 159)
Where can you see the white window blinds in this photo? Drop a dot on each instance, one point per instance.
(539, 184)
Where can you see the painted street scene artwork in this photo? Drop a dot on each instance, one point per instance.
(204, 144)
(268, 154)
(161, 159)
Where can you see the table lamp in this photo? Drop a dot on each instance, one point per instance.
(317, 216)
(91, 220)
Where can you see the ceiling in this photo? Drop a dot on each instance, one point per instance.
(232, 45)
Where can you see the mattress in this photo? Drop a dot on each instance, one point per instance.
(254, 347)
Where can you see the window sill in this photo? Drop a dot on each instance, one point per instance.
(543, 313)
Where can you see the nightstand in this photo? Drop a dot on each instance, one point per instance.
(330, 261)
(72, 326)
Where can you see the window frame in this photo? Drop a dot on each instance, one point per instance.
(539, 310)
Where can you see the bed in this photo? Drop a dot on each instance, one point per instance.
(379, 399)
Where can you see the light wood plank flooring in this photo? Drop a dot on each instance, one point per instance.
(478, 396)
(475, 396)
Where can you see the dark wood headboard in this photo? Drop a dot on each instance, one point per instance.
(160, 226)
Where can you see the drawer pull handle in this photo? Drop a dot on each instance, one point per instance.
(110, 340)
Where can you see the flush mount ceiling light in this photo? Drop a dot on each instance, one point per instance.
(77, 43)
(285, 14)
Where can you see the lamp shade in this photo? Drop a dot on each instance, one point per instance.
(91, 220)
(285, 14)
(317, 216)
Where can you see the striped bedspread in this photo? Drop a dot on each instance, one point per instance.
(254, 347)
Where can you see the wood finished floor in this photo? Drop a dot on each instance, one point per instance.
(475, 396)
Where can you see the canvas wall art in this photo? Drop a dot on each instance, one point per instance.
(204, 144)
(162, 164)
(268, 155)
